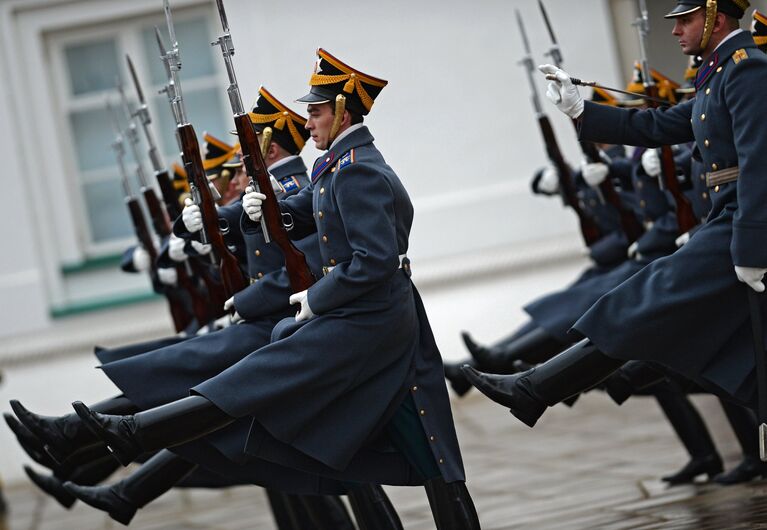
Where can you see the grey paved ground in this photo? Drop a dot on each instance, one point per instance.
(593, 466)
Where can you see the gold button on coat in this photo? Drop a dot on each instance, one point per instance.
(719, 69)
(260, 275)
(702, 176)
(714, 166)
(422, 412)
(258, 253)
(642, 203)
(716, 189)
(320, 215)
(704, 195)
(441, 461)
(706, 142)
(702, 117)
(333, 262)
(432, 438)
(322, 190)
(324, 239)
(414, 388)
(708, 91)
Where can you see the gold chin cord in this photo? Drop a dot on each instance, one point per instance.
(708, 28)
(339, 117)
(266, 140)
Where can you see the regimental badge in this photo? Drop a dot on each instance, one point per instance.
(347, 159)
(739, 55)
(290, 184)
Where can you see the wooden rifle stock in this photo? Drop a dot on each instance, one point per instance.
(231, 275)
(589, 229)
(685, 215)
(630, 225)
(299, 274)
(180, 318)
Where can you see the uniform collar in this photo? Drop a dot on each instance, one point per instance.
(733, 42)
(356, 138)
(347, 132)
(288, 166)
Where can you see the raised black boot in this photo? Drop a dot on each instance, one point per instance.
(122, 499)
(631, 378)
(87, 475)
(456, 377)
(451, 505)
(372, 508)
(745, 426)
(31, 445)
(535, 346)
(692, 432)
(62, 436)
(164, 426)
(529, 393)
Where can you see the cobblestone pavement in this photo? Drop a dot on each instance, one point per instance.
(593, 466)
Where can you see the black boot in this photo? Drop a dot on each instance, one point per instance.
(62, 436)
(528, 394)
(692, 432)
(451, 505)
(372, 508)
(327, 512)
(457, 378)
(535, 346)
(164, 426)
(744, 425)
(87, 474)
(122, 499)
(51, 486)
(31, 445)
(632, 378)
(522, 366)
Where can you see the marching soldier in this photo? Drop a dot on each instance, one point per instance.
(687, 311)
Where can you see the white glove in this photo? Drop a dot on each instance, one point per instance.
(167, 276)
(235, 317)
(141, 261)
(562, 92)
(176, 249)
(191, 216)
(251, 203)
(751, 276)
(549, 182)
(682, 240)
(594, 174)
(200, 248)
(305, 313)
(651, 163)
(632, 251)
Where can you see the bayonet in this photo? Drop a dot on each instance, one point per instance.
(118, 146)
(527, 62)
(142, 114)
(171, 58)
(555, 51)
(131, 133)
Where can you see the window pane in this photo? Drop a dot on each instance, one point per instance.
(107, 213)
(92, 66)
(204, 110)
(194, 46)
(93, 135)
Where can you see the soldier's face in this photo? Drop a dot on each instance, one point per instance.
(319, 123)
(688, 29)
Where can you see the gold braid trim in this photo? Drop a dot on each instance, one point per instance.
(339, 117)
(280, 119)
(214, 162)
(218, 143)
(743, 4)
(708, 28)
(352, 83)
(760, 17)
(760, 40)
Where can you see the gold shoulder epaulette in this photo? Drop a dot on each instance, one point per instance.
(739, 55)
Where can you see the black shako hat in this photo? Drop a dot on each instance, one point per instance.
(287, 126)
(333, 77)
(217, 153)
(734, 8)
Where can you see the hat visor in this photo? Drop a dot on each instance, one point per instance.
(313, 99)
(682, 9)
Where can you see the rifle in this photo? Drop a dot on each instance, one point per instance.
(685, 216)
(589, 229)
(630, 225)
(231, 276)
(300, 275)
(157, 213)
(180, 318)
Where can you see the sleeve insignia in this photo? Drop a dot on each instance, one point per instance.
(739, 55)
(290, 184)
